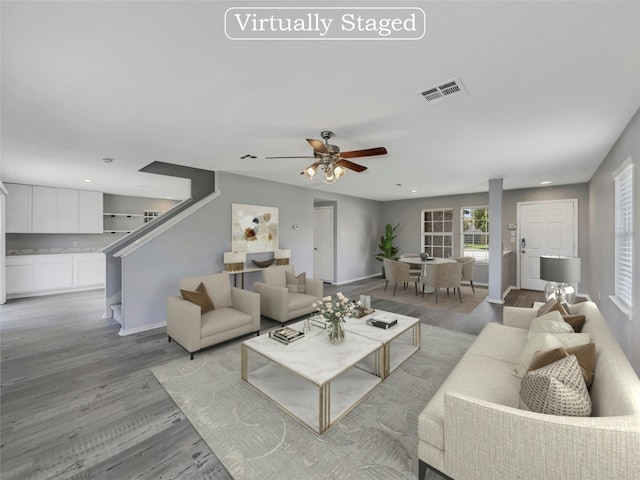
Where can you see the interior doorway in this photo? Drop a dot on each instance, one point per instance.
(323, 243)
(544, 228)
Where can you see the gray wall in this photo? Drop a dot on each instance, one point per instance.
(601, 273)
(196, 245)
(407, 214)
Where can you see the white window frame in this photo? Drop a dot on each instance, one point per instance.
(447, 250)
(623, 240)
(482, 257)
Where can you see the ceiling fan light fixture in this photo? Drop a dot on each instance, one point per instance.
(339, 172)
(310, 172)
(329, 177)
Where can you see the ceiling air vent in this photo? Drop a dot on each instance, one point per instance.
(450, 88)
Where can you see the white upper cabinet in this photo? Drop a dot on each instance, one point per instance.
(90, 213)
(36, 209)
(67, 212)
(45, 210)
(18, 208)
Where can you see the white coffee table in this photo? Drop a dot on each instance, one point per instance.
(398, 342)
(311, 379)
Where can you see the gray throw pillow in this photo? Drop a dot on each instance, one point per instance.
(296, 284)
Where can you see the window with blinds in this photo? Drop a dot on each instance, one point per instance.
(623, 178)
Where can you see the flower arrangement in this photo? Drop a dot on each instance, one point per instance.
(336, 311)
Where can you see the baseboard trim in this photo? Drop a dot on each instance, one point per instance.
(356, 279)
(131, 331)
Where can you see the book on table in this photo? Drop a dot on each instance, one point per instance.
(286, 335)
(382, 321)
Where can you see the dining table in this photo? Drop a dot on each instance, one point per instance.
(425, 265)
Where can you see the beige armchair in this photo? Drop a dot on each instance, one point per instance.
(235, 312)
(281, 303)
(398, 272)
(443, 275)
(468, 267)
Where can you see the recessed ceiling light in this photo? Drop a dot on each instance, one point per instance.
(414, 191)
(88, 180)
(545, 182)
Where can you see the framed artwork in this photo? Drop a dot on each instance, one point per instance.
(253, 228)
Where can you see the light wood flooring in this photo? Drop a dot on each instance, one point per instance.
(78, 401)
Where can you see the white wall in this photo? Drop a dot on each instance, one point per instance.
(196, 245)
(601, 260)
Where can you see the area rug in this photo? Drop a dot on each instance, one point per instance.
(450, 303)
(253, 438)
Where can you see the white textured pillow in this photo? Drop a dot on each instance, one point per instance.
(551, 322)
(556, 389)
(540, 342)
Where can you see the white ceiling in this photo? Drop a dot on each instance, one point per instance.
(551, 85)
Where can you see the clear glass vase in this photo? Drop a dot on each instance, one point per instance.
(336, 333)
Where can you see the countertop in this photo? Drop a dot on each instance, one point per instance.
(51, 251)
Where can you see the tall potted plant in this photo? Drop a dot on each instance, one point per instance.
(387, 248)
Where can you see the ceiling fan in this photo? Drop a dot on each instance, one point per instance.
(331, 161)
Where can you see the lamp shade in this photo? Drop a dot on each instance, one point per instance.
(560, 269)
(235, 257)
(282, 253)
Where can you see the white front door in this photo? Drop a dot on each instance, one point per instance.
(323, 243)
(545, 228)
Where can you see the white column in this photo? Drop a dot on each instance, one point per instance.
(495, 241)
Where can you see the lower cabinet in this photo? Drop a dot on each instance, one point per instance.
(41, 274)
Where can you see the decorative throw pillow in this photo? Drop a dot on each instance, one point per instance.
(200, 297)
(540, 342)
(296, 284)
(551, 305)
(585, 354)
(551, 322)
(556, 389)
(576, 321)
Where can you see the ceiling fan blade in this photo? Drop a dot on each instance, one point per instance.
(364, 153)
(308, 156)
(350, 165)
(317, 145)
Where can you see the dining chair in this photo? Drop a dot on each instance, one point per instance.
(468, 267)
(443, 275)
(398, 272)
(415, 269)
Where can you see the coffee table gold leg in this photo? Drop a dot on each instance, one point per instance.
(244, 362)
(324, 401)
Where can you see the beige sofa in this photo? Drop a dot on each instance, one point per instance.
(236, 313)
(277, 302)
(472, 427)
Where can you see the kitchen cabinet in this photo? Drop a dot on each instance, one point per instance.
(53, 272)
(19, 274)
(88, 269)
(30, 275)
(18, 208)
(90, 211)
(37, 209)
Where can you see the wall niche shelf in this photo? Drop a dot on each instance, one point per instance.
(127, 222)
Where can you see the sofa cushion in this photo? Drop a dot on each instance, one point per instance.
(482, 377)
(300, 300)
(222, 320)
(296, 284)
(219, 289)
(585, 354)
(551, 322)
(556, 389)
(576, 321)
(539, 342)
(275, 276)
(200, 297)
(499, 342)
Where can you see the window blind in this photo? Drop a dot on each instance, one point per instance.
(623, 179)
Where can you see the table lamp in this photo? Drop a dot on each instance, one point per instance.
(562, 275)
(234, 261)
(282, 256)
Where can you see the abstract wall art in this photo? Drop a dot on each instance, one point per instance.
(253, 228)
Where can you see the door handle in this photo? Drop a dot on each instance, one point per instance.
(523, 245)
